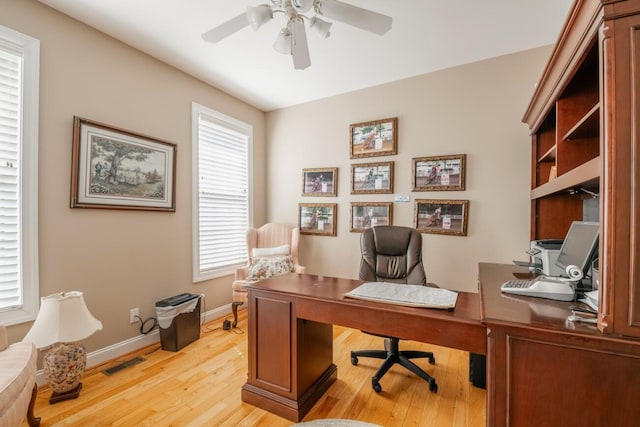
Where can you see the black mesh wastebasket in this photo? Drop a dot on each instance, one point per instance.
(179, 321)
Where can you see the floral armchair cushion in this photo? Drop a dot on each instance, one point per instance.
(263, 268)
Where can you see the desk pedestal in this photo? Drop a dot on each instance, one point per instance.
(291, 335)
(290, 359)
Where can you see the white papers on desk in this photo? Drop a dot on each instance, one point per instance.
(591, 299)
(408, 295)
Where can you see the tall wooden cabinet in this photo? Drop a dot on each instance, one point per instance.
(584, 118)
(565, 118)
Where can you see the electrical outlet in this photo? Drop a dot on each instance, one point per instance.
(132, 315)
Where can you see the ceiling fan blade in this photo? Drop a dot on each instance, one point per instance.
(356, 16)
(300, 48)
(226, 29)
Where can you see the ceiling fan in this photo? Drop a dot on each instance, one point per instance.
(292, 39)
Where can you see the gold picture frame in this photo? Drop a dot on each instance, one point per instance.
(370, 214)
(318, 218)
(374, 138)
(439, 173)
(372, 178)
(322, 182)
(441, 216)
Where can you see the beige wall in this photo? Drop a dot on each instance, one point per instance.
(119, 259)
(125, 259)
(474, 109)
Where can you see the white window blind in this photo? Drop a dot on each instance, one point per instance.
(10, 94)
(221, 187)
(19, 62)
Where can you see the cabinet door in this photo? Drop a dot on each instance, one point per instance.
(271, 345)
(620, 204)
(551, 378)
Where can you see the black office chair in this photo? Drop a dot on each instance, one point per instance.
(393, 254)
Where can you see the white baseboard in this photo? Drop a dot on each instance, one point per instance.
(116, 350)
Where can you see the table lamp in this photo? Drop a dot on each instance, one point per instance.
(62, 320)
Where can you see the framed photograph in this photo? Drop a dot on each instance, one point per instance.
(320, 182)
(366, 215)
(372, 178)
(377, 138)
(118, 169)
(439, 173)
(317, 218)
(442, 216)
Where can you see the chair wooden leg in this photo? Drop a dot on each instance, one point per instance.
(33, 421)
(234, 309)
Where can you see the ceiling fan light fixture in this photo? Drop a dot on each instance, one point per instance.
(320, 26)
(302, 5)
(259, 15)
(283, 42)
(301, 16)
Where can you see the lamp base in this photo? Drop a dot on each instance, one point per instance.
(63, 368)
(65, 395)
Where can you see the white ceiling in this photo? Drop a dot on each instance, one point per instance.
(427, 35)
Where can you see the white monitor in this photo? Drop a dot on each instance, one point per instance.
(580, 246)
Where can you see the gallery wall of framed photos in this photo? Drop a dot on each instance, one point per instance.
(437, 115)
(374, 139)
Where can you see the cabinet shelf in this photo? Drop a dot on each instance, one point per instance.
(549, 156)
(586, 174)
(588, 126)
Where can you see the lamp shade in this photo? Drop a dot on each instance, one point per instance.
(63, 318)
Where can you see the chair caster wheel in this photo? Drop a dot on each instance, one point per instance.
(376, 385)
(433, 387)
(354, 360)
(432, 360)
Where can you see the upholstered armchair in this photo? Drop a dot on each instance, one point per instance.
(272, 249)
(17, 381)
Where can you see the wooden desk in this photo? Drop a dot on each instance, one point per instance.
(543, 370)
(291, 338)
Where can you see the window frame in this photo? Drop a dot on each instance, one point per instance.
(197, 110)
(28, 48)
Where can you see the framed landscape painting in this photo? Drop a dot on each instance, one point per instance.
(317, 218)
(442, 216)
(365, 215)
(118, 169)
(439, 173)
(376, 138)
(320, 182)
(372, 178)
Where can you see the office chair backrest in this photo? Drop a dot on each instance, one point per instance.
(392, 254)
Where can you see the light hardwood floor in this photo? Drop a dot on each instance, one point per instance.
(200, 386)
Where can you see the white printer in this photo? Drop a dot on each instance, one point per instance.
(544, 253)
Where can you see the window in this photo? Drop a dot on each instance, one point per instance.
(221, 208)
(19, 68)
